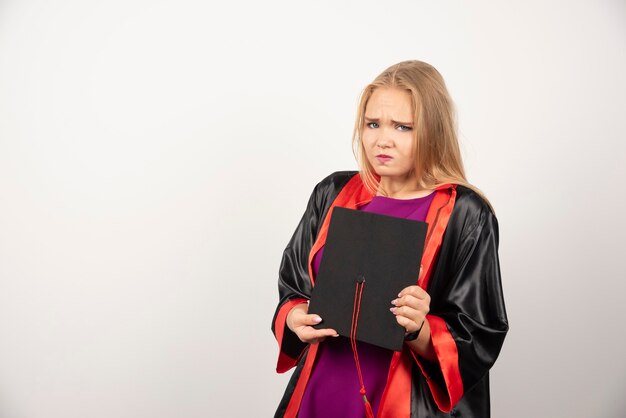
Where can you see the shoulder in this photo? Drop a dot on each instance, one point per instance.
(327, 189)
(471, 211)
(468, 200)
(337, 179)
(332, 184)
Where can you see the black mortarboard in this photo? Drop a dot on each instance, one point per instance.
(382, 251)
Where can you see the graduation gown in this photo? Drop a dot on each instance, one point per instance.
(461, 273)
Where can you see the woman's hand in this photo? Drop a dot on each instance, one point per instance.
(301, 323)
(411, 307)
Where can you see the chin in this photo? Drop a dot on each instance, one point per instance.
(383, 168)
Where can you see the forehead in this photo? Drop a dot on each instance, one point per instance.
(391, 102)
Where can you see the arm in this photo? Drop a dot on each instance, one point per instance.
(411, 308)
(467, 317)
(423, 344)
(294, 283)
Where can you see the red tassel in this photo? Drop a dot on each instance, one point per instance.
(358, 295)
(369, 412)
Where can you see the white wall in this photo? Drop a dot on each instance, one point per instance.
(155, 157)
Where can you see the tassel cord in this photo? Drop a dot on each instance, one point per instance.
(356, 309)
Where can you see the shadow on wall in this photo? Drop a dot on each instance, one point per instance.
(616, 404)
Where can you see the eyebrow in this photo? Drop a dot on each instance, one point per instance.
(393, 121)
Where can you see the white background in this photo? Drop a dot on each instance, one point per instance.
(156, 156)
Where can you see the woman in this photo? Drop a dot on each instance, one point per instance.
(406, 145)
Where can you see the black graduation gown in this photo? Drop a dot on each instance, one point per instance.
(465, 289)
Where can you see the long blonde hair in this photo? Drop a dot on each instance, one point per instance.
(435, 142)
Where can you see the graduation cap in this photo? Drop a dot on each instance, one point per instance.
(368, 259)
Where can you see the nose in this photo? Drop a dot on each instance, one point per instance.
(383, 143)
(384, 139)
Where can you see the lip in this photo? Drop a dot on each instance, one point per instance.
(384, 158)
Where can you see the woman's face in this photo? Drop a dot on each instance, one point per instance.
(387, 133)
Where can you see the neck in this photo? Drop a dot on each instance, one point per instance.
(406, 188)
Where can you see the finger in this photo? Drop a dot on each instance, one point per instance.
(310, 320)
(329, 332)
(320, 339)
(416, 314)
(407, 324)
(313, 319)
(415, 291)
(410, 313)
(411, 301)
(309, 334)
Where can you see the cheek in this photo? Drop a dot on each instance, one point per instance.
(366, 137)
(407, 147)
(368, 141)
(407, 155)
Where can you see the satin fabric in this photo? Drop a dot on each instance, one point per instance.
(465, 289)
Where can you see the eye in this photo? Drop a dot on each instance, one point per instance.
(372, 125)
(404, 128)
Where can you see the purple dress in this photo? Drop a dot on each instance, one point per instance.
(333, 388)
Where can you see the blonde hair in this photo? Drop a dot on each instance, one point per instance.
(435, 143)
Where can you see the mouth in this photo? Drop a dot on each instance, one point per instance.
(384, 158)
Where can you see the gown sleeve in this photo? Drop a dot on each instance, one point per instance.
(294, 283)
(467, 315)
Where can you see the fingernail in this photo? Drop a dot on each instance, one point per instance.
(400, 294)
(393, 310)
(317, 319)
(336, 335)
(394, 302)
